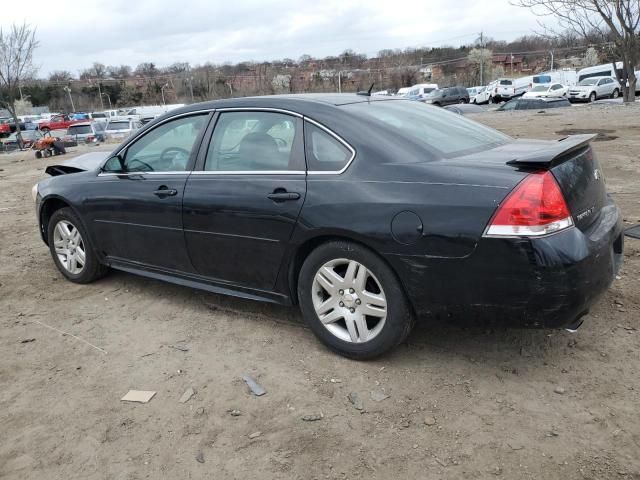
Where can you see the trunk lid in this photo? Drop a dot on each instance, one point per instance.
(571, 160)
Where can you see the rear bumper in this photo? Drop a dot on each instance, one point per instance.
(545, 282)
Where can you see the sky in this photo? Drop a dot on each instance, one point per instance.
(75, 34)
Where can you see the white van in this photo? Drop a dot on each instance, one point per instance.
(604, 70)
(422, 89)
(565, 77)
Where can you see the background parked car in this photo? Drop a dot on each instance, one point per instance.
(486, 95)
(464, 109)
(592, 88)
(88, 132)
(118, 129)
(552, 90)
(533, 104)
(29, 137)
(448, 96)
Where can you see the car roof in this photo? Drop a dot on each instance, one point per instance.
(296, 102)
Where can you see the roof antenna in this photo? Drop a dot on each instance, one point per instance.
(368, 92)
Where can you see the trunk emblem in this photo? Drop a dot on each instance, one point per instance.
(596, 174)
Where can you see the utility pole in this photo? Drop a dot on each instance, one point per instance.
(511, 55)
(339, 81)
(108, 98)
(162, 92)
(481, 58)
(551, 52)
(191, 88)
(68, 90)
(100, 95)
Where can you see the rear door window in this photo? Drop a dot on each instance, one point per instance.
(254, 142)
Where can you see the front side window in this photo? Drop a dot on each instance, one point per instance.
(253, 141)
(166, 148)
(324, 152)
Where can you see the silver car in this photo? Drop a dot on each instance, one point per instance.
(120, 129)
(592, 88)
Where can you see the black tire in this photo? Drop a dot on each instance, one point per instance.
(93, 269)
(592, 97)
(615, 94)
(399, 320)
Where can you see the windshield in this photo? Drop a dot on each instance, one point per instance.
(118, 126)
(540, 88)
(506, 82)
(437, 129)
(588, 81)
(98, 115)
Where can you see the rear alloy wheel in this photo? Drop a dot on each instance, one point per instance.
(352, 300)
(592, 97)
(615, 94)
(71, 249)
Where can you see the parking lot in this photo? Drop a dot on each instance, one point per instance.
(450, 403)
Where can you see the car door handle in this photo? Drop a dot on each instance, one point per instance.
(281, 196)
(165, 192)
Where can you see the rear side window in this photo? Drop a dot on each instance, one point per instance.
(323, 151)
(79, 129)
(436, 129)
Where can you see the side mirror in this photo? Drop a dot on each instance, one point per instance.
(114, 165)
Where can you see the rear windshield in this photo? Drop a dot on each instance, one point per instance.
(449, 134)
(542, 79)
(506, 82)
(118, 126)
(98, 115)
(79, 129)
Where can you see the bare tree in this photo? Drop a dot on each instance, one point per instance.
(16, 64)
(617, 21)
(60, 76)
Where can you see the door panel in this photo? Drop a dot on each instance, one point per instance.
(234, 232)
(241, 206)
(132, 222)
(136, 207)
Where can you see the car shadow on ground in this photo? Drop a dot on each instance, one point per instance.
(431, 340)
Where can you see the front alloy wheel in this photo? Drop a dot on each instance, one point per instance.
(69, 247)
(349, 301)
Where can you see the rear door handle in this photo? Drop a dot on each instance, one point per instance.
(280, 196)
(165, 192)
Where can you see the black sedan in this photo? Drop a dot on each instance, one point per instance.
(368, 212)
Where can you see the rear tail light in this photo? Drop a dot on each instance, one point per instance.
(535, 207)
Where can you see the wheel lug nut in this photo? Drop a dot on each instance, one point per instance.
(341, 292)
(342, 304)
(351, 290)
(352, 310)
(358, 302)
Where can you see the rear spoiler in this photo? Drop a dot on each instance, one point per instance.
(547, 157)
(55, 170)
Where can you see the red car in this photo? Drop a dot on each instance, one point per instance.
(58, 122)
(5, 128)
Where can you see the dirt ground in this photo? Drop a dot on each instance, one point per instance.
(462, 403)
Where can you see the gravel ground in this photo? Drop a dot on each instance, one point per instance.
(450, 403)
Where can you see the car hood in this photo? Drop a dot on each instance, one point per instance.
(81, 163)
